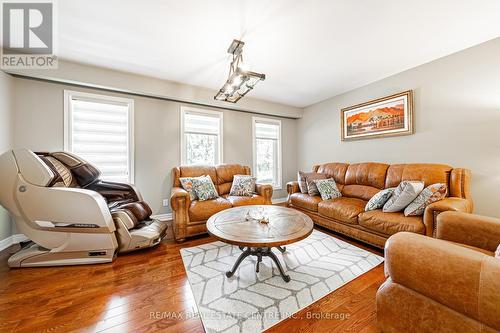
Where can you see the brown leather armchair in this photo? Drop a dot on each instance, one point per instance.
(190, 217)
(448, 284)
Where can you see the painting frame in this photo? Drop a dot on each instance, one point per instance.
(348, 131)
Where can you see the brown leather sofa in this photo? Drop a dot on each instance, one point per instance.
(449, 284)
(359, 182)
(190, 217)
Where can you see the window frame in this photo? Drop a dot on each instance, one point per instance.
(203, 112)
(70, 95)
(255, 120)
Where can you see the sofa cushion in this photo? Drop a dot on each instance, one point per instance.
(202, 210)
(403, 195)
(429, 195)
(342, 209)
(204, 188)
(327, 188)
(243, 185)
(245, 200)
(301, 177)
(391, 223)
(305, 201)
(378, 200)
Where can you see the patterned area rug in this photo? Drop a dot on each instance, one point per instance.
(252, 302)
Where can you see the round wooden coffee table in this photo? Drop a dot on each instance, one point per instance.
(237, 226)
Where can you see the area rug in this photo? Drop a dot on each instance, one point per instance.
(252, 302)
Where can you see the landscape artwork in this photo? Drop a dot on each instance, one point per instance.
(387, 116)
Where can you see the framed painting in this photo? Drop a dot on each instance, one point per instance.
(383, 117)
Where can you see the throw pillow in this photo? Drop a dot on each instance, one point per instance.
(243, 185)
(327, 188)
(403, 195)
(301, 177)
(204, 188)
(312, 189)
(378, 200)
(430, 194)
(497, 252)
(187, 184)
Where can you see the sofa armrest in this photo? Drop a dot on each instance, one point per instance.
(292, 187)
(469, 229)
(436, 208)
(179, 197)
(460, 278)
(266, 191)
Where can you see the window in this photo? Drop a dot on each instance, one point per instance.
(267, 151)
(100, 129)
(201, 136)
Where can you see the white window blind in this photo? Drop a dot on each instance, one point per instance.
(201, 137)
(267, 151)
(99, 129)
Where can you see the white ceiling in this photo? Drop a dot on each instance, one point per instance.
(309, 50)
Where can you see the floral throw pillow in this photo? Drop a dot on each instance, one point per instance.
(204, 188)
(403, 195)
(187, 184)
(378, 200)
(312, 189)
(430, 194)
(327, 188)
(243, 185)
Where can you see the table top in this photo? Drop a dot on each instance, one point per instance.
(286, 225)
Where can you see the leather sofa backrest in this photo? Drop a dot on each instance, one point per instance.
(364, 180)
(193, 171)
(428, 173)
(335, 170)
(222, 175)
(225, 173)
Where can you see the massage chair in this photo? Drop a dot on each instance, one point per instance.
(70, 215)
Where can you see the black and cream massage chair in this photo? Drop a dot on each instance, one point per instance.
(71, 216)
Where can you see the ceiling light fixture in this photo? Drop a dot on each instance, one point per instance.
(239, 81)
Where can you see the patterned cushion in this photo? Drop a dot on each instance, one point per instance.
(311, 185)
(378, 200)
(497, 252)
(243, 185)
(187, 184)
(204, 188)
(327, 188)
(301, 177)
(403, 195)
(430, 194)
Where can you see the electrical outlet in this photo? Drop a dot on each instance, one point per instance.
(165, 203)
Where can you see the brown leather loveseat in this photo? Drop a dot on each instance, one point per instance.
(190, 217)
(359, 182)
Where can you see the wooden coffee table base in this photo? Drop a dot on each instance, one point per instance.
(259, 252)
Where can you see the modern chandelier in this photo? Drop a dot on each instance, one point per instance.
(239, 81)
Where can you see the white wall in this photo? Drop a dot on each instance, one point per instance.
(457, 121)
(38, 125)
(5, 139)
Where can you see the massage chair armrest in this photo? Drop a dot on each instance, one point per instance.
(179, 198)
(292, 187)
(266, 191)
(469, 229)
(448, 204)
(114, 192)
(66, 206)
(460, 278)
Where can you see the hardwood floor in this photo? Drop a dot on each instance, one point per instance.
(136, 291)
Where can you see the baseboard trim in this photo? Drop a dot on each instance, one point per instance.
(163, 217)
(279, 200)
(11, 240)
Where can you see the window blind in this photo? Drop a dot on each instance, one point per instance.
(99, 133)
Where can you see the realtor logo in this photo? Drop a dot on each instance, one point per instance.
(28, 35)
